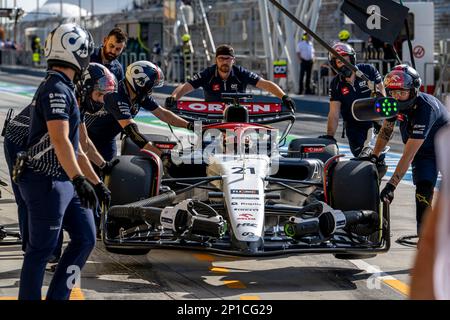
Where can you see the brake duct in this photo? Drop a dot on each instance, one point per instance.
(190, 218)
(319, 219)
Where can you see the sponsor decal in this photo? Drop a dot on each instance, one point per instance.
(243, 191)
(216, 87)
(219, 107)
(246, 217)
(246, 209)
(234, 87)
(247, 224)
(313, 149)
(345, 91)
(244, 198)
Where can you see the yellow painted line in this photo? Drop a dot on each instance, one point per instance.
(77, 294)
(218, 269)
(398, 285)
(8, 298)
(204, 257)
(250, 298)
(234, 284)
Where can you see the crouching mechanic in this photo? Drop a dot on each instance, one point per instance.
(56, 192)
(345, 88)
(134, 92)
(421, 116)
(226, 77)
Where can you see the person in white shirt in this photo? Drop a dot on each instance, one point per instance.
(305, 53)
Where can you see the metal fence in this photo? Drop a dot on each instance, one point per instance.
(20, 58)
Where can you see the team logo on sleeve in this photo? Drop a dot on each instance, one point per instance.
(216, 87)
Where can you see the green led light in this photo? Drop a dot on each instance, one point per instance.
(386, 100)
(395, 104)
(389, 104)
(387, 113)
(384, 110)
(384, 105)
(395, 109)
(389, 109)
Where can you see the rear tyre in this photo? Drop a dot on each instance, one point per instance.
(132, 179)
(295, 148)
(354, 186)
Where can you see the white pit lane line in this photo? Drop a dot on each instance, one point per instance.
(378, 276)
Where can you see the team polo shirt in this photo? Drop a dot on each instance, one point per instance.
(213, 85)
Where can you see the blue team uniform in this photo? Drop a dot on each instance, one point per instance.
(213, 85)
(345, 93)
(114, 66)
(103, 126)
(50, 197)
(423, 121)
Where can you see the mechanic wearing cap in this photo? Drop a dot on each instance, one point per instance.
(421, 117)
(225, 77)
(134, 92)
(56, 192)
(305, 54)
(111, 49)
(345, 88)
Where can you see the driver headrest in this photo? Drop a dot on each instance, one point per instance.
(236, 114)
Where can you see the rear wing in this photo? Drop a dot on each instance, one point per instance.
(212, 112)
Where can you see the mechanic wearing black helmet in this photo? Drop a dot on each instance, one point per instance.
(421, 117)
(345, 88)
(224, 77)
(134, 92)
(56, 192)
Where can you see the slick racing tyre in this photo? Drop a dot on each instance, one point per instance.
(354, 186)
(322, 149)
(131, 180)
(128, 147)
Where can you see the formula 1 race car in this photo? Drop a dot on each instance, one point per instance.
(236, 192)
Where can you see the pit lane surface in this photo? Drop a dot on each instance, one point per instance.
(169, 274)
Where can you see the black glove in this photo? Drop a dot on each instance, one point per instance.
(103, 194)
(387, 194)
(190, 126)
(107, 167)
(170, 102)
(85, 192)
(288, 102)
(326, 136)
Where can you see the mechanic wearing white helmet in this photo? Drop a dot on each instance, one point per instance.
(225, 77)
(52, 184)
(134, 92)
(345, 88)
(421, 117)
(96, 82)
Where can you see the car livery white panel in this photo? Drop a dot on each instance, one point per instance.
(243, 188)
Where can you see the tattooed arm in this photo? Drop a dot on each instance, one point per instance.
(411, 148)
(384, 136)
